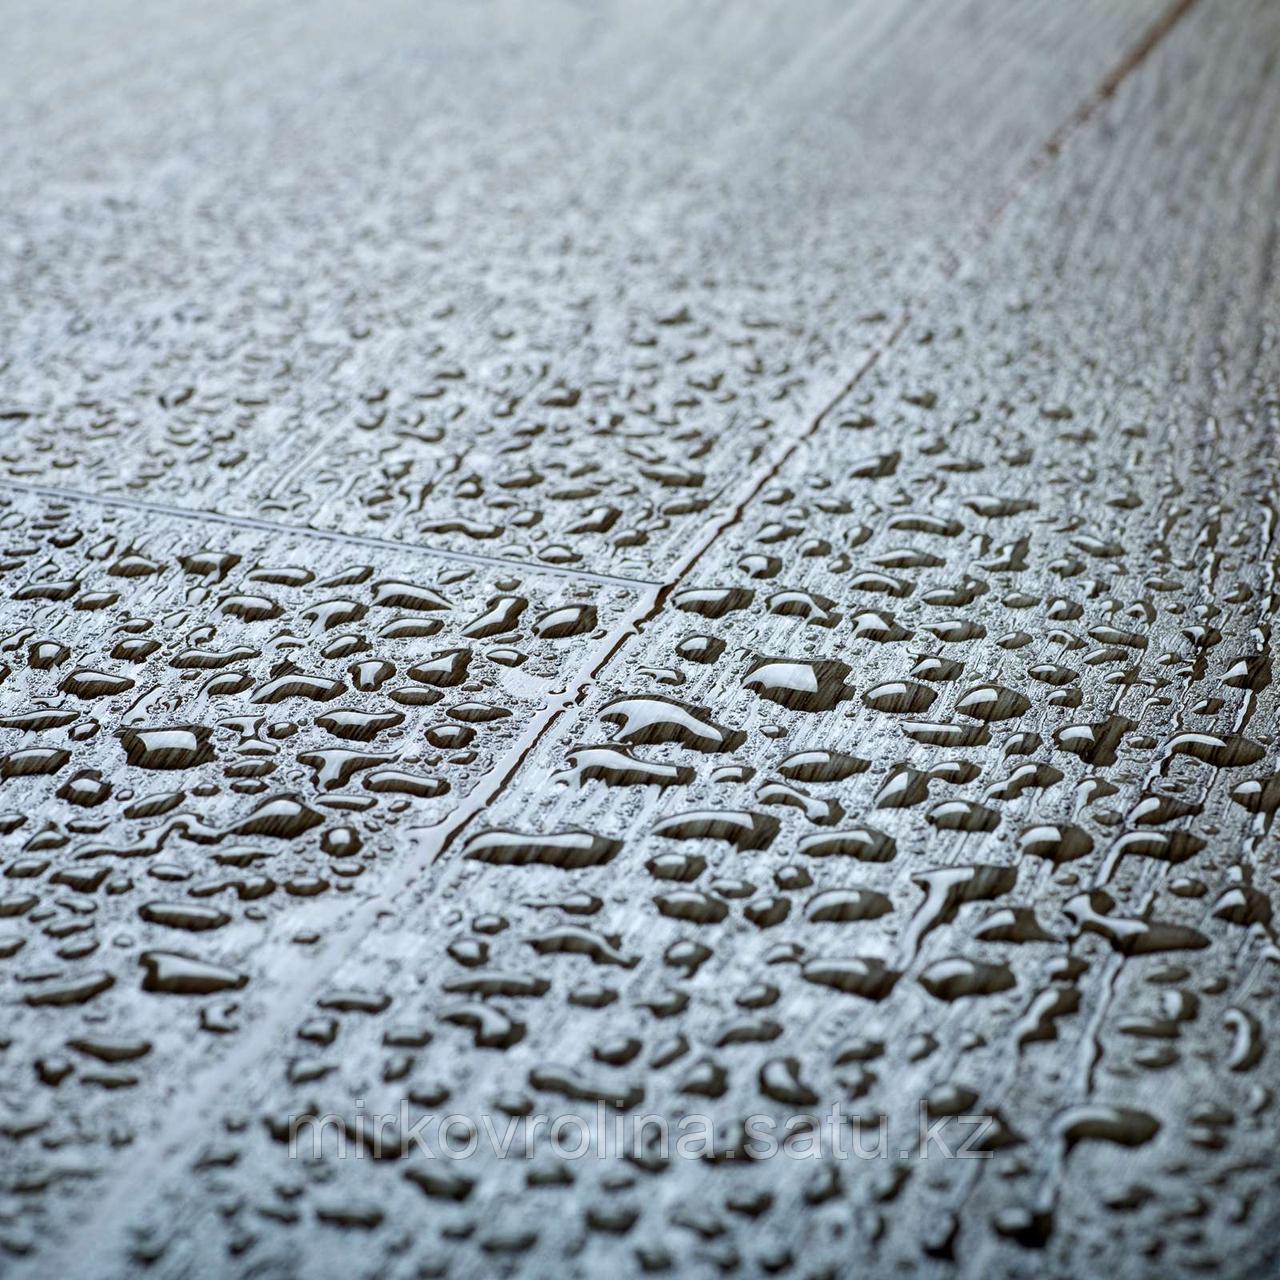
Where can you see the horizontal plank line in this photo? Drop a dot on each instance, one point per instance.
(197, 515)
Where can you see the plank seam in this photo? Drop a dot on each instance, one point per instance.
(197, 515)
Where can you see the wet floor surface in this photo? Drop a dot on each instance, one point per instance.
(572, 563)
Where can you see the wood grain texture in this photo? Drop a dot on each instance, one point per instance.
(538, 281)
(932, 762)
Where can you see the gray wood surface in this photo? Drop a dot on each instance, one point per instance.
(571, 563)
